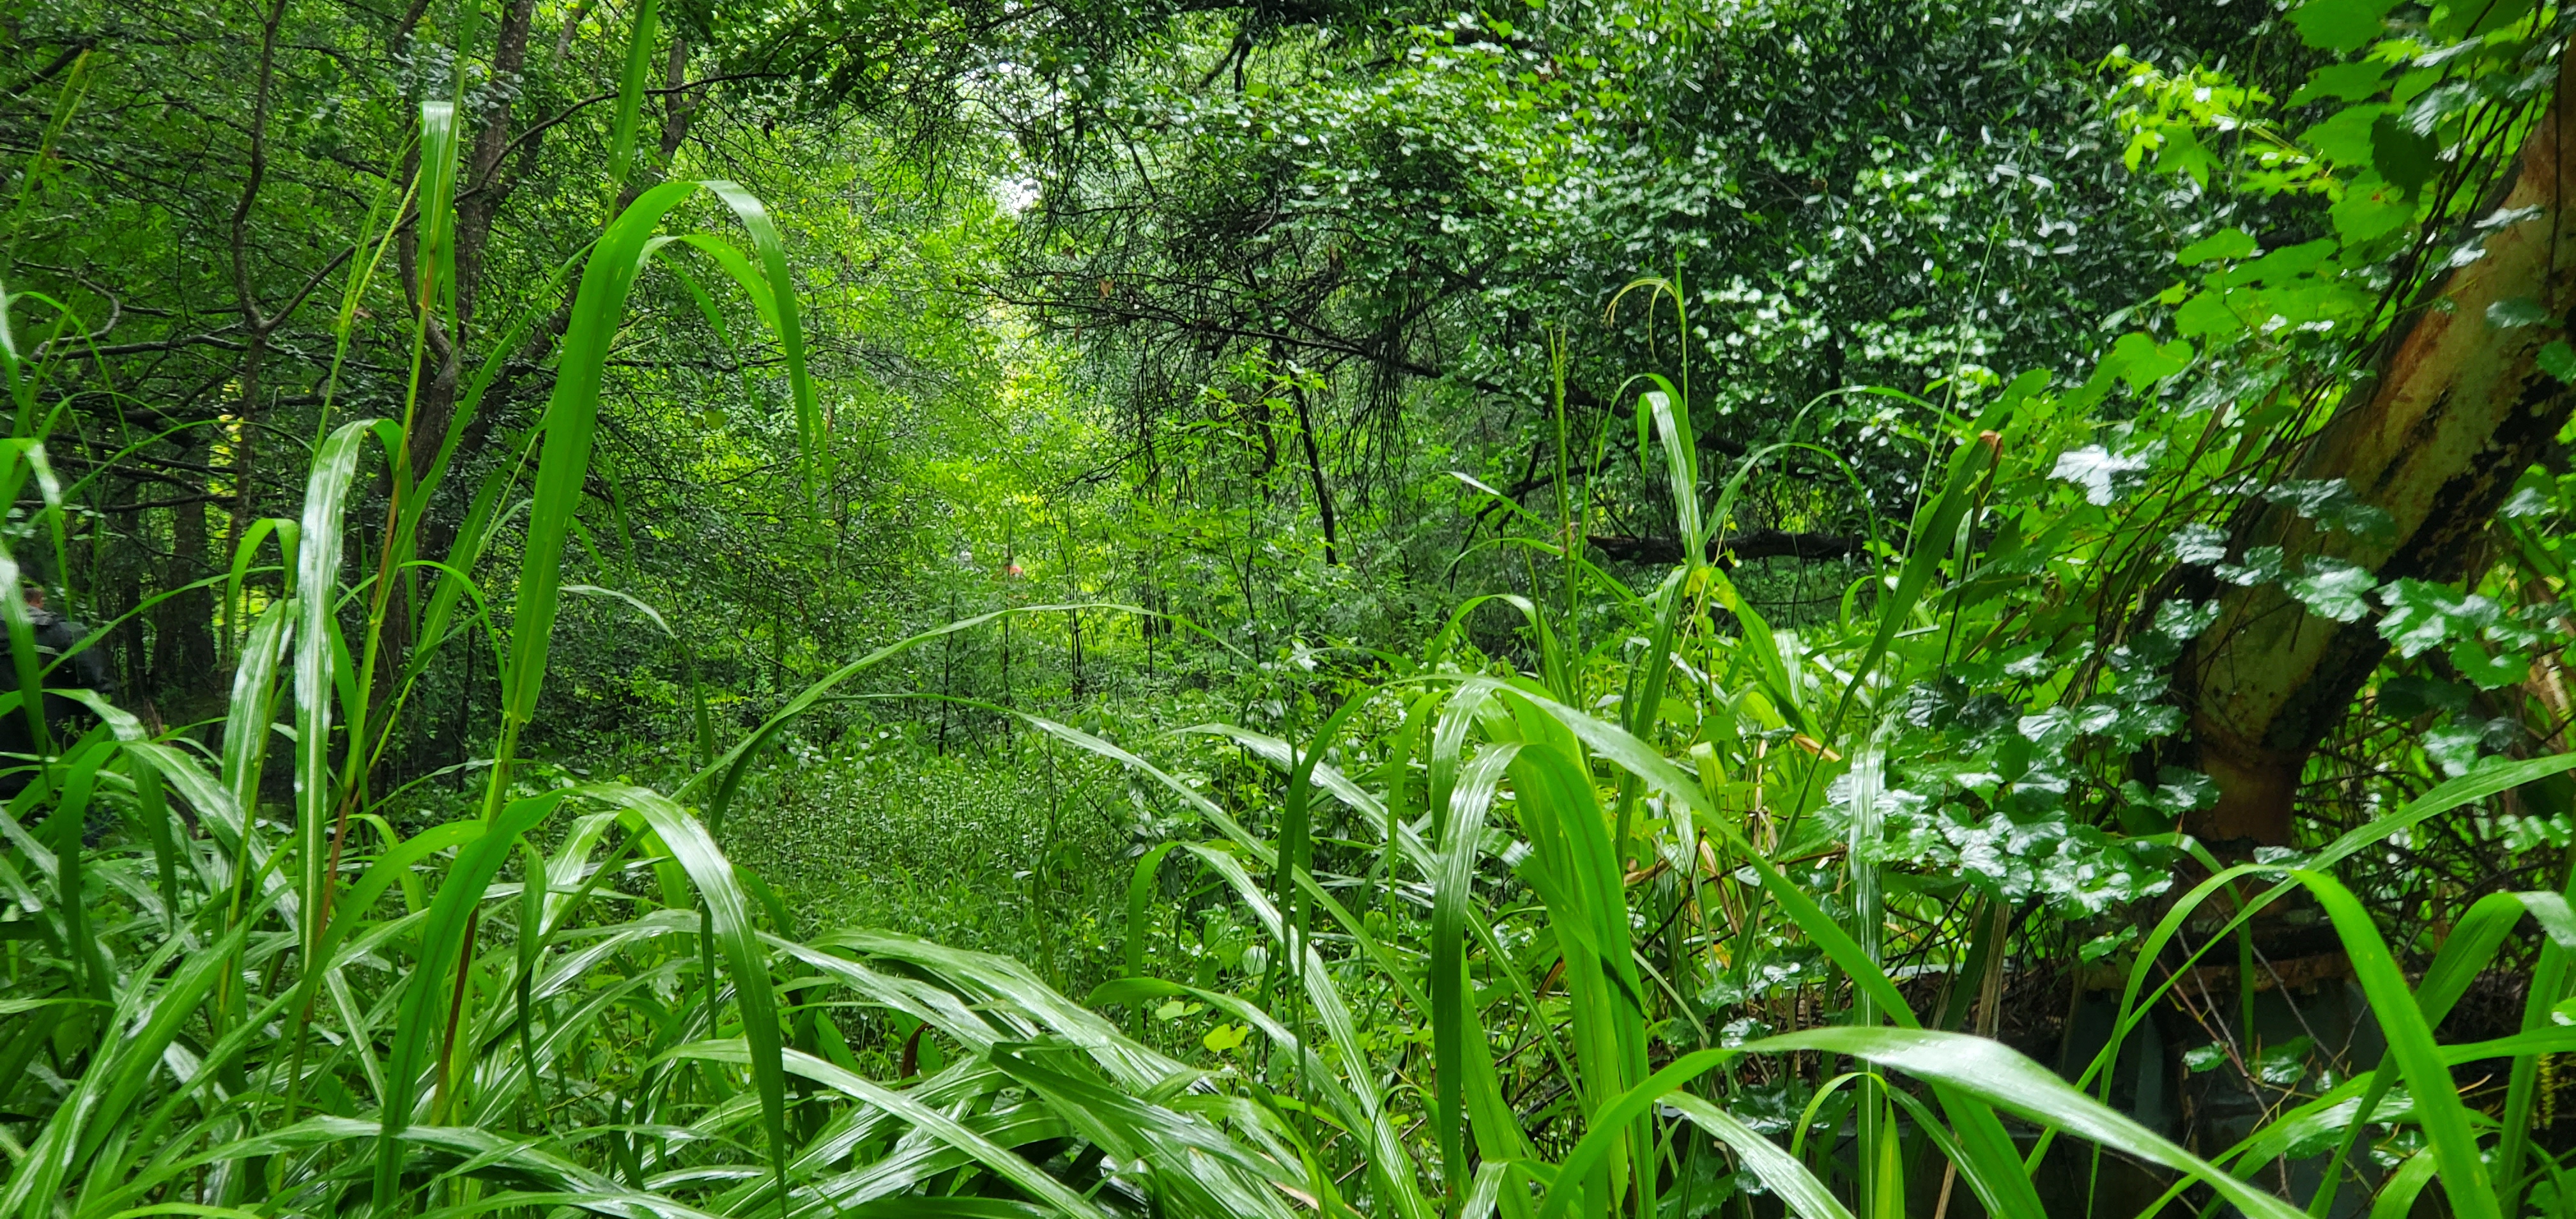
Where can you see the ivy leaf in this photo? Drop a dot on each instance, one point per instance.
(2333, 588)
(2423, 615)
(2285, 1064)
(2332, 505)
(2454, 748)
(2490, 672)
(2340, 25)
(2262, 565)
(2055, 728)
(2105, 944)
(2406, 696)
(2183, 621)
(2204, 1058)
(2516, 311)
(2142, 723)
(2177, 791)
(2197, 543)
(2524, 502)
(2418, 616)
(2103, 475)
(2559, 360)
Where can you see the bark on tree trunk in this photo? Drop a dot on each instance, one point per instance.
(1315, 476)
(185, 665)
(476, 209)
(2459, 410)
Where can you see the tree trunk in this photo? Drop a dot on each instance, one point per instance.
(1315, 474)
(184, 666)
(2459, 410)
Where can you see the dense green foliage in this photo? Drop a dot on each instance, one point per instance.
(990, 610)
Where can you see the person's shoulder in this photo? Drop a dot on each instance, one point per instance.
(54, 630)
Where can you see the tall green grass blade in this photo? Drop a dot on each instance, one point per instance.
(570, 427)
(319, 661)
(1992, 1073)
(1928, 544)
(1805, 1196)
(1461, 841)
(2438, 1107)
(443, 939)
(253, 706)
(1296, 847)
(439, 145)
(784, 318)
(730, 915)
(631, 80)
(1001, 1160)
(1140, 893)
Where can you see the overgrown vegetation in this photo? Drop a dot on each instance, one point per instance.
(1834, 610)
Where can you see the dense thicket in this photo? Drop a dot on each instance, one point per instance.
(994, 609)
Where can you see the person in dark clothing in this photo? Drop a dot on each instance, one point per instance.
(72, 667)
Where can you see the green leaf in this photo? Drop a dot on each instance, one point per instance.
(624, 123)
(418, 1029)
(2397, 1195)
(2285, 1064)
(2197, 543)
(2438, 1107)
(2206, 313)
(729, 917)
(2184, 153)
(2262, 565)
(2516, 311)
(2229, 243)
(2490, 672)
(2345, 137)
(2103, 475)
(2404, 156)
(2365, 215)
(2559, 360)
(2330, 502)
(2351, 82)
(2459, 19)
(1226, 1038)
(2333, 588)
(2423, 615)
(2340, 25)
(2142, 363)
(2290, 265)
(1995, 1074)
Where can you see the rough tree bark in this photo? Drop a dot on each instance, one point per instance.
(184, 666)
(2460, 408)
(476, 208)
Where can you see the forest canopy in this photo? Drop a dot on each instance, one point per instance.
(953, 608)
